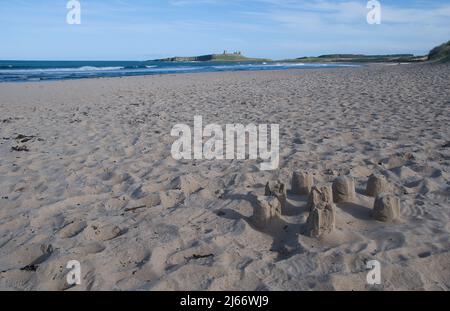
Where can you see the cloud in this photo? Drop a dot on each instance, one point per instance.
(265, 28)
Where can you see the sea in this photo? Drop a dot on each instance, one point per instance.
(23, 71)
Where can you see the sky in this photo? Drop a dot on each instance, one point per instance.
(276, 29)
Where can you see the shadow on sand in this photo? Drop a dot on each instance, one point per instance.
(285, 235)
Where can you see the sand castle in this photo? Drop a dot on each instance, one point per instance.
(322, 198)
(320, 193)
(376, 185)
(302, 183)
(321, 219)
(268, 208)
(277, 189)
(344, 189)
(322, 211)
(386, 208)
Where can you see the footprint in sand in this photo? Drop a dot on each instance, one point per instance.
(91, 248)
(72, 229)
(27, 257)
(101, 232)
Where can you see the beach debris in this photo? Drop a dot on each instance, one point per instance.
(24, 138)
(344, 189)
(268, 208)
(386, 207)
(135, 208)
(302, 183)
(30, 268)
(22, 148)
(195, 256)
(278, 190)
(376, 185)
(320, 193)
(321, 219)
(30, 256)
(21, 139)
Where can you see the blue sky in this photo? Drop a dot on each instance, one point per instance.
(139, 30)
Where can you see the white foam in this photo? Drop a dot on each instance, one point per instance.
(79, 69)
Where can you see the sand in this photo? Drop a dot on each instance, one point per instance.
(91, 178)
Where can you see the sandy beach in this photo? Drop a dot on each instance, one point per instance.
(86, 174)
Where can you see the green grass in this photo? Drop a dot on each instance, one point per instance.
(214, 58)
(440, 53)
(358, 58)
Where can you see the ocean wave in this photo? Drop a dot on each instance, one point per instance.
(261, 65)
(49, 72)
(133, 67)
(173, 69)
(92, 68)
(53, 70)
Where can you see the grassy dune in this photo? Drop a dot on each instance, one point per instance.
(440, 53)
(357, 58)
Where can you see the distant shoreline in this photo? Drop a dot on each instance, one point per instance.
(440, 53)
(36, 71)
(214, 73)
(328, 58)
(55, 71)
